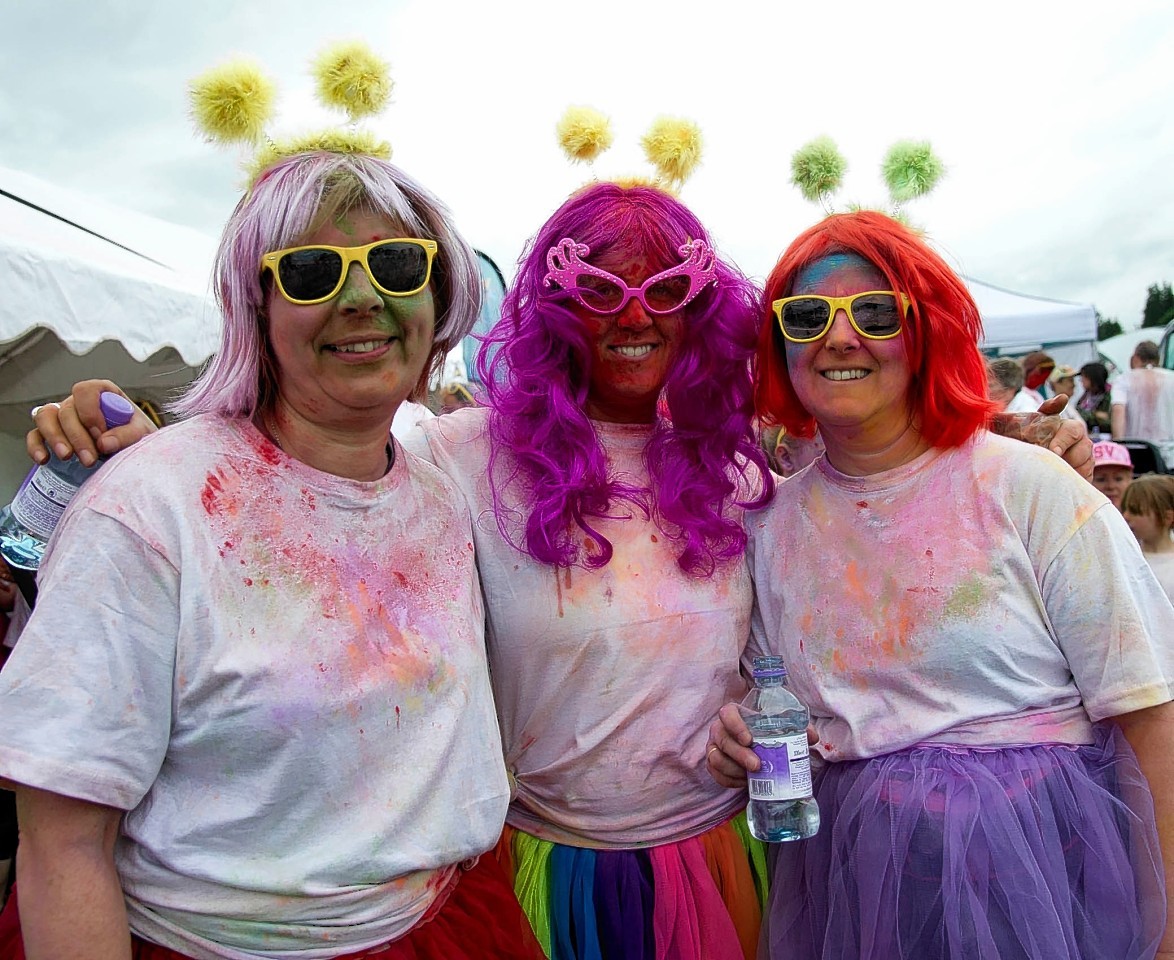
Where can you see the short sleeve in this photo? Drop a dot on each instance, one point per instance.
(86, 697)
(1111, 618)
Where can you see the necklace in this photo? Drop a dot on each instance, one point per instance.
(271, 429)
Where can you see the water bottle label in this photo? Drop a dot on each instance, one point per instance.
(39, 504)
(785, 773)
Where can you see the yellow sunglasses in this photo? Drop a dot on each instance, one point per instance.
(874, 314)
(313, 274)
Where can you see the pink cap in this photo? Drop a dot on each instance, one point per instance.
(1106, 453)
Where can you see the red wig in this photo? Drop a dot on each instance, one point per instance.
(948, 393)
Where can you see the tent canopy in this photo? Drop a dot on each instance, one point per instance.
(93, 290)
(1015, 323)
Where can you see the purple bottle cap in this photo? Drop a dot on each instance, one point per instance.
(116, 409)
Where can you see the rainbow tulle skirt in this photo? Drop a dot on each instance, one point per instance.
(698, 899)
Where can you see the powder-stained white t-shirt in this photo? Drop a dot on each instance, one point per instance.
(979, 596)
(606, 680)
(280, 675)
(1148, 396)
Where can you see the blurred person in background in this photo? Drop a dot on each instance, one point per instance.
(1143, 401)
(1037, 370)
(1005, 385)
(1148, 506)
(1095, 399)
(1112, 470)
(1063, 382)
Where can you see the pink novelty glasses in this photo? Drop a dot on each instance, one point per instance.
(602, 292)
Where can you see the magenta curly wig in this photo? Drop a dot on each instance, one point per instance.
(536, 365)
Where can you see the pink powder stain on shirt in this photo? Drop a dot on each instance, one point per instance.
(874, 614)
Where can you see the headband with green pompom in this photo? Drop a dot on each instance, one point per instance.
(910, 170)
(672, 145)
(234, 103)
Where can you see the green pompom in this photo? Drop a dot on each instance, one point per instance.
(911, 170)
(817, 168)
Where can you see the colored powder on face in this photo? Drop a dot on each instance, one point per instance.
(819, 271)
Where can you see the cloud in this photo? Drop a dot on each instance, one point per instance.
(1055, 127)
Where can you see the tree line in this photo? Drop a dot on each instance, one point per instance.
(1159, 311)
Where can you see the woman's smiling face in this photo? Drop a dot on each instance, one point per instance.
(843, 379)
(361, 349)
(631, 351)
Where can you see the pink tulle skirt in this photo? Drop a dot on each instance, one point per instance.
(1045, 852)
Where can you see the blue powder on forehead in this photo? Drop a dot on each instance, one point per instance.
(824, 267)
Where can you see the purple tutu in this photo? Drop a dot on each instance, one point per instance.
(1045, 852)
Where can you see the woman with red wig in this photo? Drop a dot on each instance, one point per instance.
(987, 660)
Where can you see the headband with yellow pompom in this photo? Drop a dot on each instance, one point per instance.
(672, 145)
(235, 103)
(910, 170)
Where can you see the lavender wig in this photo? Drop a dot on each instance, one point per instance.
(288, 201)
(537, 367)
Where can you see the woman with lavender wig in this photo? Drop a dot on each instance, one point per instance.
(266, 728)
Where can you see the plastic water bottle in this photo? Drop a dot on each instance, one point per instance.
(27, 523)
(781, 805)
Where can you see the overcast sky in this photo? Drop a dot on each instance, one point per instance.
(1055, 120)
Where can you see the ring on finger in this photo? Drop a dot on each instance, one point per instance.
(712, 747)
(37, 409)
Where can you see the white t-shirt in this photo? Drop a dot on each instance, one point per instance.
(606, 680)
(280, 675)
(1163, 566)
(1023, 402)
(1147, 394)
(983, 595)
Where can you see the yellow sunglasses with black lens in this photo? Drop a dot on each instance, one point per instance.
(874, 314)
(313, 274)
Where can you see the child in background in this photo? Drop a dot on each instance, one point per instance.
(1112, 470)
(1148, 506)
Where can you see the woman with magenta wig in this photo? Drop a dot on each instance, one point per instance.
(607, 479)
(987, 660)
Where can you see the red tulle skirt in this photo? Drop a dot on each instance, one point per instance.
(481, 920)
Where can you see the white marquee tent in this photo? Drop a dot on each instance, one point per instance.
(1015, 324)
(90, 289)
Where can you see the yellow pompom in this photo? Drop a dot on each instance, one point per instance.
(352, 79)
(584, 133)
(333, 140)
(673, 146)
(233, 102)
